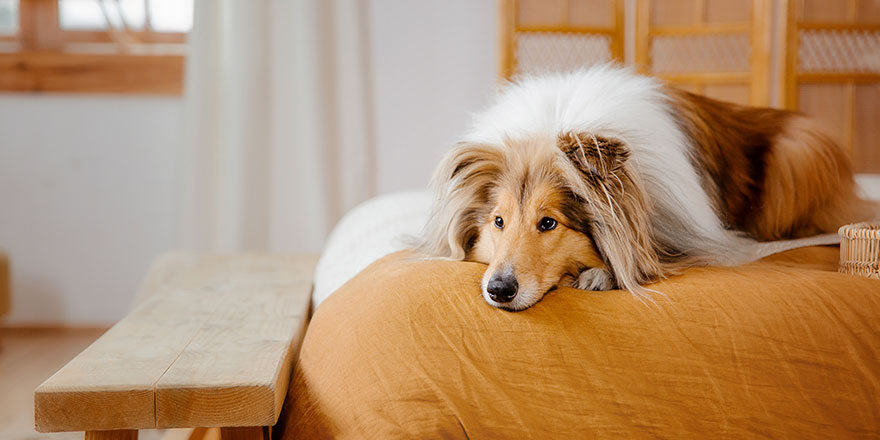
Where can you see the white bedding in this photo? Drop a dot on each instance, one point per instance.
(367, 233)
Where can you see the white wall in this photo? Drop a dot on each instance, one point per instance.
(88, 184)
(433, 64)
(87, 200)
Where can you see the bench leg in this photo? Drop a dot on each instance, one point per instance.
(121, 434)
(246, 433)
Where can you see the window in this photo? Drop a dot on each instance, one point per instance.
(93, 46)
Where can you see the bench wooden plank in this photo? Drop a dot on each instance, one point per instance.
(237, 358)
(213, 341)
(110, 385)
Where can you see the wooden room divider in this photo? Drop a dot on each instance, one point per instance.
(719, 48)
(821, 57)
(538, 35)
(677, 40)
(831, 70)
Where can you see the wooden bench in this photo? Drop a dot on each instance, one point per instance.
(212, 343)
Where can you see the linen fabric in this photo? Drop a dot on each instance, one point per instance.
(785, 347)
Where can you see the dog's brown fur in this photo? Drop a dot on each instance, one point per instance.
(774, 174)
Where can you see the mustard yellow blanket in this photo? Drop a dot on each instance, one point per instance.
(784, 347)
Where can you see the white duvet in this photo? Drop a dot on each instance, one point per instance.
(367, 233)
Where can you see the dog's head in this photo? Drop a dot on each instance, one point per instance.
(532, 238)
(540, 211)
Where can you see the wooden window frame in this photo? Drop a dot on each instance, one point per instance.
(46, 62)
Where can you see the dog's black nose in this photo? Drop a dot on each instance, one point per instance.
(502, 288)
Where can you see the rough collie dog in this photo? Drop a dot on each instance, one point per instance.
(602, 178)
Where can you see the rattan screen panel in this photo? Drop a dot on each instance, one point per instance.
(831, 66)
(538, 52)
(828, 50)
(700, 53)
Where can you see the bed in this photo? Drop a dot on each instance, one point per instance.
(407, 348)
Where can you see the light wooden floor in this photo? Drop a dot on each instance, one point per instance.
(27, 358)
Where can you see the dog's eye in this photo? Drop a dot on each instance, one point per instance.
(499, 222)
(547, 224)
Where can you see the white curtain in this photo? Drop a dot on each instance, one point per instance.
(278, 136)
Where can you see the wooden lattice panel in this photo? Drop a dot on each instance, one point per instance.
(700, 53)
(839, 50)
(719, 48)
(559, 35)
(558, 52)
(832, 71)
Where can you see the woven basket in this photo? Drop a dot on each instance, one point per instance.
(860, 249)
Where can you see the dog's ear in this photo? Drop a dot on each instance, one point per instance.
(620, 218)
(462, 185)
(593, 155)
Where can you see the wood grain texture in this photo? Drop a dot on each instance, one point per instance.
(702, 28)
(110, 385)
(866, 154)
(824, 11)
(506, 39)
(868, 12)
(566, 29)
(91, 73)
(212, 346)
(707, 77)
(125, 434)
(230, 372)
(246, 433)
(761, 56)
(592, 13)
(789, 89)
(728, 10)
(541, 12)
(672, 12)
(643, 36)
(736, 93)
(619, 37)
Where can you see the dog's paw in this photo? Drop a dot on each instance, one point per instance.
(595, 279)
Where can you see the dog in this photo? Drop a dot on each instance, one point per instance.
(601, 178)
